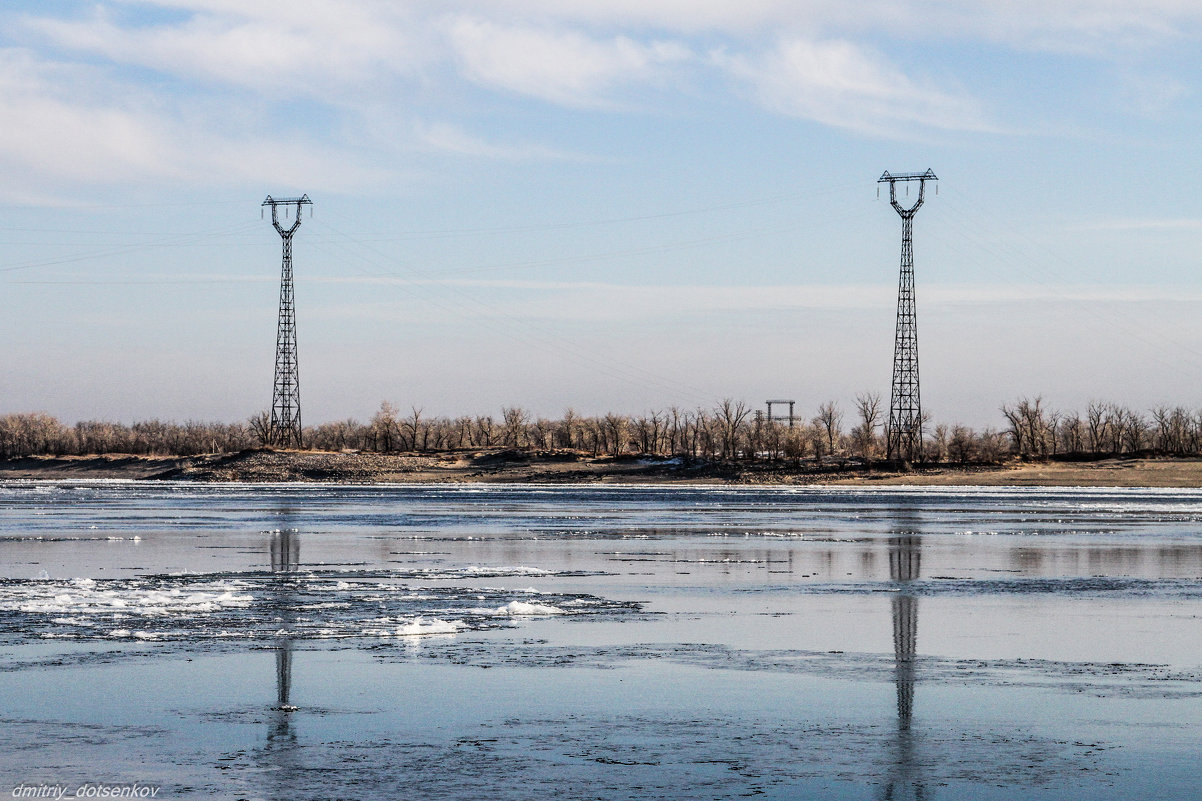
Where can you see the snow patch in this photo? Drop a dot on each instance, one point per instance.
(521, 609)
(419, 627)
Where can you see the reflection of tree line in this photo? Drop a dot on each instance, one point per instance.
(1180, 561)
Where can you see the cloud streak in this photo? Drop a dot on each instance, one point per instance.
(199, 90)
(839, 83)
(576, 301)
(315, 49)
(558, 66)
(450, 138)
(57, 138)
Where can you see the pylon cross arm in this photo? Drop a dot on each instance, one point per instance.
(890, 177)
(285, 201)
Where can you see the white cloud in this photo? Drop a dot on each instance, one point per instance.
(453, 139)
(676, 15)
(62, 134)
(1149, 95)
(153, 91)
(46, 132)
(1095, 26)
(839, 83)
(309, 48)
(560, 66)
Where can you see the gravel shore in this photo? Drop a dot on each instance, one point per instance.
(570, 467)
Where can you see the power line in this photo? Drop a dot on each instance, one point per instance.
(172, 241)
(1039, 265)
(518, 328)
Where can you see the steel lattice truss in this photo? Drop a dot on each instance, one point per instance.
(904, 431)
(285, 428)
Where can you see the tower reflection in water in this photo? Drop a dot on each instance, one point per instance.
(285, 560)
(905, 566)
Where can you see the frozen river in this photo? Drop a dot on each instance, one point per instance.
(600, 642)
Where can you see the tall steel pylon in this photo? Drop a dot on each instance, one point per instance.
(285, 429)
(904, 433)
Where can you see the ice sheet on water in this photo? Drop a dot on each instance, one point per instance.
(520, 570)
(268, 607)
(418, 627)
(943, 586)
(1103, 679)
(521, 608)
(478, 572)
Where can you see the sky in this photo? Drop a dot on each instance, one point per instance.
(606, 205)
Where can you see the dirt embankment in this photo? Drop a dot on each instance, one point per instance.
(352, 467)
(92, 467)
(573, 467)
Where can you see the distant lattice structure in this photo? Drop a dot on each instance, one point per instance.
(285, 427)
(904, 432)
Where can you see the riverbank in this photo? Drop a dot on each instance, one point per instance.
(573, 467)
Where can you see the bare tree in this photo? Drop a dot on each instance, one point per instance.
(868, 406)
(462, 436)
(415, 430)
(990, 446)
(514, 420)
(939, 442)
(1072, 433)
(960, 446)
(485, 431)
(1116, 427)
(593, 435)
(816, 435)
(568, 428)
(728, 431)
(831, 420)
(677, 425)
(1095, 421)
(1052, 431)
(1135, 431)
(730, 415)
(260, 426)
(1037, 425)
(1028, 427)
(1171, 429)
(613, 431)
(384, 431)
(543, 432)
(796, 443)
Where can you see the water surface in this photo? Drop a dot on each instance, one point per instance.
(602, 642)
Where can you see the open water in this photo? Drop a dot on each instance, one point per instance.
(600, 642)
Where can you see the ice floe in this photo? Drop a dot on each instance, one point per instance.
(265, 607)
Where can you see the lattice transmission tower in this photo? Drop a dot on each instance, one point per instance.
(904, 432)
(285, 427)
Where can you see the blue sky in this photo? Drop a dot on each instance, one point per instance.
(604, 205)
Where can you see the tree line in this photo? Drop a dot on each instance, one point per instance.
(1104, 429)
(731, 430)
(40, 434)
